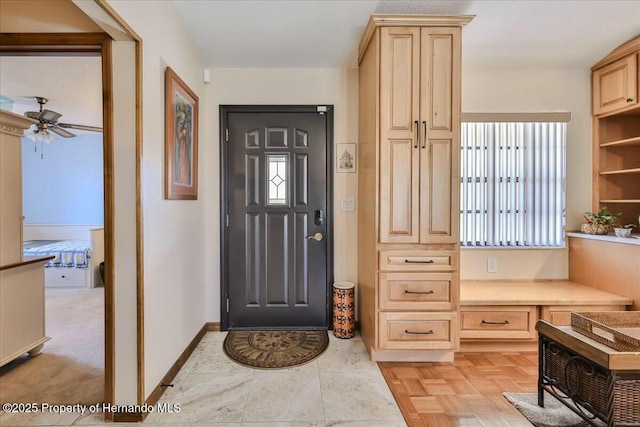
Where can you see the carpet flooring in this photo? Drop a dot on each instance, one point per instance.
(554, 413)
(70, 368)
(273, 349)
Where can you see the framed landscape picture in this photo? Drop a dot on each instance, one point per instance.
(181, 139)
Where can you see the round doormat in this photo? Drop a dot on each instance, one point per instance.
(274, 349)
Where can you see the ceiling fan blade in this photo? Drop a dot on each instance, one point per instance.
(44, 116)
(20, 98)
(79, 127)
(49, 116)
(62, 132)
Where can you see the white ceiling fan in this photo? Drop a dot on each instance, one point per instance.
(48, 122)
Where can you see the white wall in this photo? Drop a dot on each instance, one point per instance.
(62, 182)
(124, 224)
(173, 232)
(338, 87)
(535, 90)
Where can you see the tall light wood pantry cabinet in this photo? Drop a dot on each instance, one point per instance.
(408, 186)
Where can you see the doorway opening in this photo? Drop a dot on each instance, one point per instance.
(63, 210)
(97, 45)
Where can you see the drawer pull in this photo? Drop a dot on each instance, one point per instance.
(484, 322)
(429, 332)
(408, 261)
(419, 292)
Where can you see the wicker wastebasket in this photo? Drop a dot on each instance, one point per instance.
(344, 310)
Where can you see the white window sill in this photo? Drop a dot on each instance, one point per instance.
(633, 240)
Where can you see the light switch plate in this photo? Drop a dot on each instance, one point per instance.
(348, 204)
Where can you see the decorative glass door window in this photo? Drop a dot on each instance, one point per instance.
(277, 165)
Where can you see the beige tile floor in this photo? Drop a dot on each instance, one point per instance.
(340, 388)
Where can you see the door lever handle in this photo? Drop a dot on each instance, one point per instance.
(317, 237)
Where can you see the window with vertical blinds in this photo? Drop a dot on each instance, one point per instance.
(513, 180)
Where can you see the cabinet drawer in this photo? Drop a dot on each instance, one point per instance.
(418, 331)
(560, 315)
(64, 277)
(418, 261)
(498, 322)
(418, 291)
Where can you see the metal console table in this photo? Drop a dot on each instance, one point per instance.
(595, 381)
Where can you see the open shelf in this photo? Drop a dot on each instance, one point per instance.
(621, 171)
(622, 142)
(620, 201)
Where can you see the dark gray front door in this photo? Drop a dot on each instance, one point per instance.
(277, 202)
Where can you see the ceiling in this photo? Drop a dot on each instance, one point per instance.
(326, 33)
(73, 86)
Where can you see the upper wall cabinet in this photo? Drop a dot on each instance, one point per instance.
(419, 101)
(615, 86)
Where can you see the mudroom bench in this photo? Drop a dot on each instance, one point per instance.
(501, 315)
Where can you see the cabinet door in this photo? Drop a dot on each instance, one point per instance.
(399, 155)
(439, 191)
(440, 127)
(615, 86)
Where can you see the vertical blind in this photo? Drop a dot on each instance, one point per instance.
(512, 184)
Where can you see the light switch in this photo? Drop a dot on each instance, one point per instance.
(348, 204)
(492, 265)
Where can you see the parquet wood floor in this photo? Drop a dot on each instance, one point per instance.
(466, 393)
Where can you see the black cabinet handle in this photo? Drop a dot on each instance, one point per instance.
(418, 293)
(429, 332)
(417, 133)
(408, 261)
(424, 134)
(629, 99)
(484, 322)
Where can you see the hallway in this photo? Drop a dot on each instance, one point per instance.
(340, 388)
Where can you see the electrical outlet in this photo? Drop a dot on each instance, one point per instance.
(492, 265)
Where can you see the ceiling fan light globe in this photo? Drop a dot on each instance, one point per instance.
(32, 135)
(47, 136)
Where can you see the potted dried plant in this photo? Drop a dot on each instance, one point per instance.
(598, 222)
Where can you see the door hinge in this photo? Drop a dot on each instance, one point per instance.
(227, 305)
(226, 135)
(227, 219)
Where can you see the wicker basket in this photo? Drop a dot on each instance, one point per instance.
(595, 228)
(589, 385)
(577, 378)
(617, 329)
